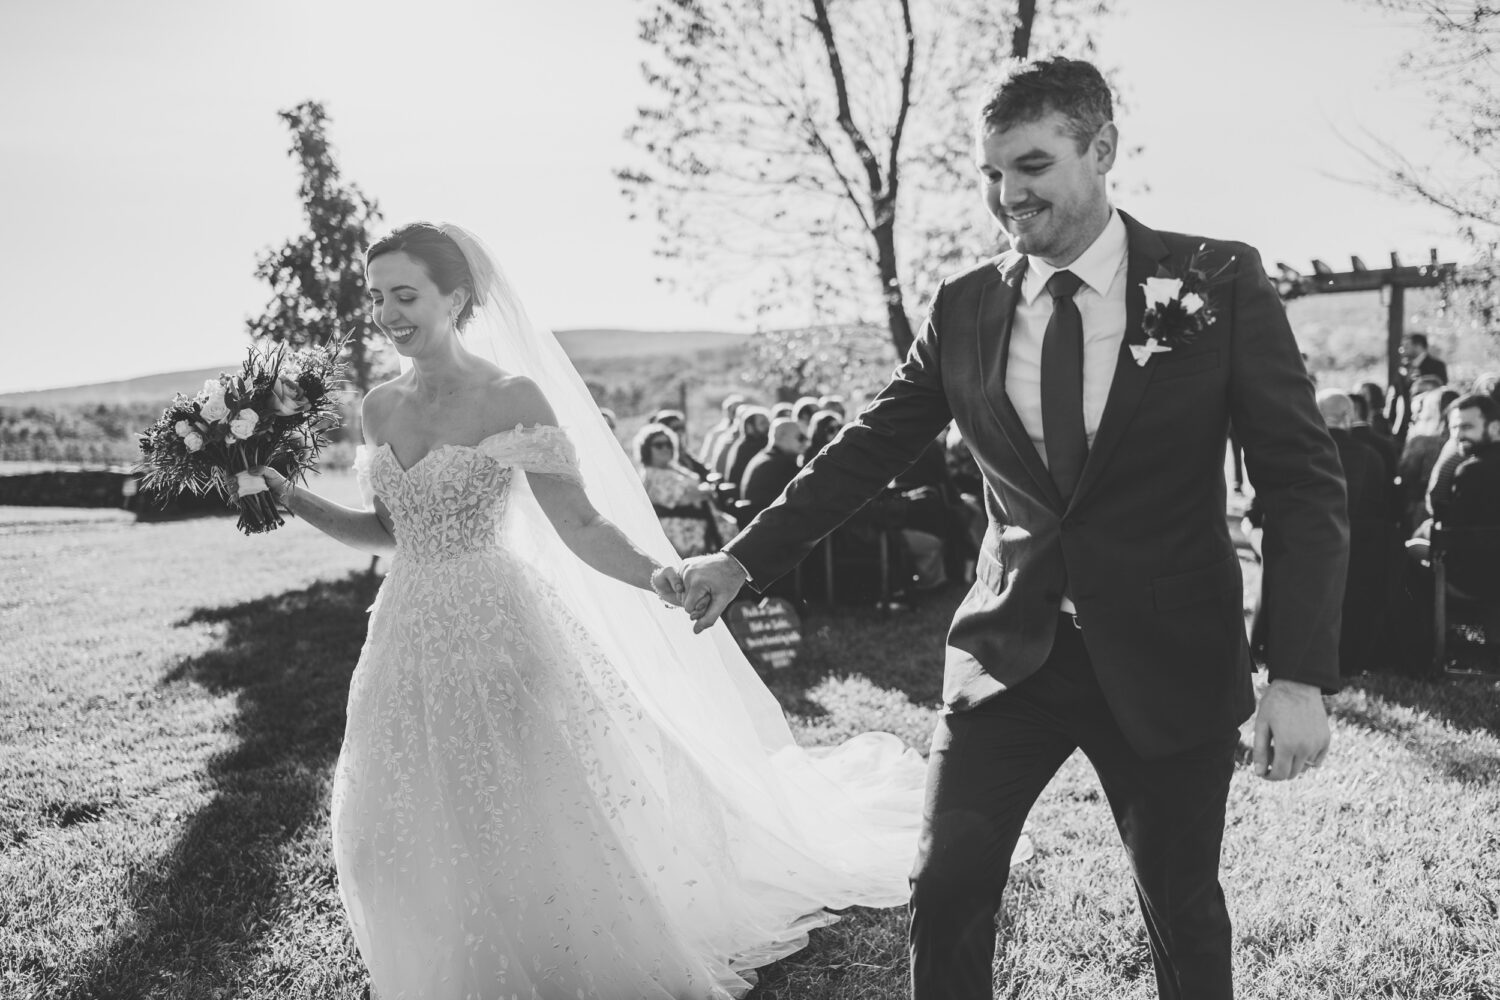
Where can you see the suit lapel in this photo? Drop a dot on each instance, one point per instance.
(1145, 256)
(997, 314)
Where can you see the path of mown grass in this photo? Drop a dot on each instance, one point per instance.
(171, 702)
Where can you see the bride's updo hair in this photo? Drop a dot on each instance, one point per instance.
(439, 256)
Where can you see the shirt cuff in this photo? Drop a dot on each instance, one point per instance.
(745, 572)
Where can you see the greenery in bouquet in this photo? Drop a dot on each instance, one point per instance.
(276, 411)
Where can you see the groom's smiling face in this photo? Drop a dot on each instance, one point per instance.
(1049, 195)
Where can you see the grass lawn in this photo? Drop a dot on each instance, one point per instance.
(171, 705)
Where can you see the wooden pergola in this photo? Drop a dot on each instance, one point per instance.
(1395, 280)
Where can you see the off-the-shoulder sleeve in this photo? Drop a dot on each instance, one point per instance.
(364, 458)
(541, 448)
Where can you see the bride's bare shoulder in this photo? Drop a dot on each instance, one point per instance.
(376, 407)
(517, 399)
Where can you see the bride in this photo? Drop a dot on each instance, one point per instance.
(549, 786)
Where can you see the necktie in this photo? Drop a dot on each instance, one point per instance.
(1062, 385)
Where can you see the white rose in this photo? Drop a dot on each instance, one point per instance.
(243, 424)
(1160, 291)
(214, 408)
(183, 428)
(192, 441)
(1191, 303)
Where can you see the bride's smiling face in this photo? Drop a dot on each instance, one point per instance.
(407, 304)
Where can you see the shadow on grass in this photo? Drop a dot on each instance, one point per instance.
(1451, 723)
(200, 910)
(896, 650)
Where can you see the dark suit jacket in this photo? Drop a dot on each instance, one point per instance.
(1390, 456)
(740, 454)
(766, 476)
(1365, 483)
(1144, 545)
(1373, 550)
(1473, 566)
(1430, 365)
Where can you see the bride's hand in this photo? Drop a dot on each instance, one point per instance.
(278, 484)
(667, 582)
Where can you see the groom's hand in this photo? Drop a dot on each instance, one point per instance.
(712, 582)
(1291, 730)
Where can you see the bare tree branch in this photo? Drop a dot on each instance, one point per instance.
(841, 88)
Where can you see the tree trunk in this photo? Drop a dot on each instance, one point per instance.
(890, 287)
(1020, 38)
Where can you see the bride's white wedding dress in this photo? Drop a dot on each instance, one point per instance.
(512, 820)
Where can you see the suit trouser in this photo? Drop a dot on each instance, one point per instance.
(988, 766)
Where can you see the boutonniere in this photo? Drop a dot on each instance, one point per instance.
(1178, 309)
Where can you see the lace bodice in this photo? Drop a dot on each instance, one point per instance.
(452, 500)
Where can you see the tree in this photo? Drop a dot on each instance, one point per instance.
(1456, 59)
(817, 360)
(317, 279)
(827, 144)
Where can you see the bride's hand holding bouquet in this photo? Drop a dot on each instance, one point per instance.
(247, 436)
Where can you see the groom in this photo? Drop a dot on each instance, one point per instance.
(1107, 612)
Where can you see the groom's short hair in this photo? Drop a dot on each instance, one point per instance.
(1028, 90)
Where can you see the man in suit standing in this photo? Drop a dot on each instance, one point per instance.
(1106, 614)
(1416, 361)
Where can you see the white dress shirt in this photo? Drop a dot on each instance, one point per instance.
(1101, 304)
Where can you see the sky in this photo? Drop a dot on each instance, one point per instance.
(143, 166)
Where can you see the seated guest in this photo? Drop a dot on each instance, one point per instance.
(1363, 432)
(775, 465)
(1368, 490)
(1426, 383)
(750, 421)
(727, 409)
(825, 427)
(804, 410)
(1474, 421)
(609, 416)
(676, 421)
(1440, 483)
(750, 438)
(935, 513)
(782, 409)
(687, 515)
(836, 404)
(1374, 398)
(1424, 441)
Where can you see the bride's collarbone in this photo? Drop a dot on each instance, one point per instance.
(412, 438)
(415, 424)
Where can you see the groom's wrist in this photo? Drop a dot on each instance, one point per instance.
(743, 571)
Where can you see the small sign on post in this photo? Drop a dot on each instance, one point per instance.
(768, 630)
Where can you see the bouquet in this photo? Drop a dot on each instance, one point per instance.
(277, 411)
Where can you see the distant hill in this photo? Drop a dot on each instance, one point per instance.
(606, 344)
(589, 346)
(145, 389)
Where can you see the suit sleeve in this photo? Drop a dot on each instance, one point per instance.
(867, 454)
(1295, 470)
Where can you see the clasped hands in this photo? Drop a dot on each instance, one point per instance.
(702, 586)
